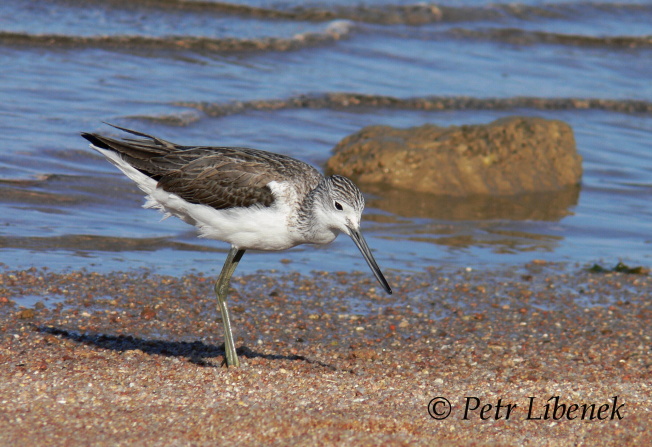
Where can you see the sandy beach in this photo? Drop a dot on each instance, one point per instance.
(542, 354)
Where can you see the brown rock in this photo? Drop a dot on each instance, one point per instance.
(148, 313)
(509, 156)
(26, 314)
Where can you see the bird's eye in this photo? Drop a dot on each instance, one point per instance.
(338, 206)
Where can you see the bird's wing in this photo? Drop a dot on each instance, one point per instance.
(220, 177)
(214, 178)
(227, 177)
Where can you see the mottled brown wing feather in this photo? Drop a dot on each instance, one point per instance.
(220, 177)
(212, 180)
(227, 177)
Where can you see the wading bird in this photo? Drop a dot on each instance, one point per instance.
(250, 198)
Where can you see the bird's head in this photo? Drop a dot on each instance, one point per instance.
(340, 207)
(341, 204)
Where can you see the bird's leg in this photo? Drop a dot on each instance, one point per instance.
(221, 290)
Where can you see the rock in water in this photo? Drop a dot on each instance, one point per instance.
(511, 155)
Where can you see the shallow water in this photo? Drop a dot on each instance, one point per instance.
(265, 74)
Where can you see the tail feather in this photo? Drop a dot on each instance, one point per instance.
(136, 152)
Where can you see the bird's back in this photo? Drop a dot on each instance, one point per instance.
(219, 177)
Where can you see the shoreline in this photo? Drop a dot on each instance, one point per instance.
(134, 358)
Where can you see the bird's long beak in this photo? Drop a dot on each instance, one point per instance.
(356, 235)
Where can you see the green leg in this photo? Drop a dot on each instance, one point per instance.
(221, 289)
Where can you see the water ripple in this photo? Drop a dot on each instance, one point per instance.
(427, 103)
(335, 31)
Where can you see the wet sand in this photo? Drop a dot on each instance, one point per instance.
(135, 358)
